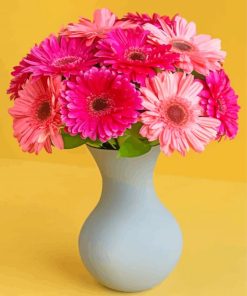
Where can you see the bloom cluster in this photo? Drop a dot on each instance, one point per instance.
(126, 84)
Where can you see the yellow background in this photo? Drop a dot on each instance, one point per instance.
(44, 199)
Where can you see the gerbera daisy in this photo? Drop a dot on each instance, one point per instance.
(219, 100)
(17, 82)
(103, 22)
(19, 78)
(129, 52)
(143, 18)
(36, 115)
(60, 56)
(100, 104)
(197, 52)
(173, 114)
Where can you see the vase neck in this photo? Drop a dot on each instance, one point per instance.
(136, 170)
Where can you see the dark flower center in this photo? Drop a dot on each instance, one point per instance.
(137, 56)
(100, 104)
(44, 111)
(182, 46)
(60, 62)
(176, 114)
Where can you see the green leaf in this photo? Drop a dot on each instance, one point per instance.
(154, 143)
(122, 139)
(198, 75)
(132, 147)
(113, 143)
(96, 143)
(134, 130)
(72, 141)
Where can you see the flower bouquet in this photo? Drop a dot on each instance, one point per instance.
(125, 86)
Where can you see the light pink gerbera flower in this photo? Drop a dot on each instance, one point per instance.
(197, 52)
(60, 56)
(219, 100)
(129, 52)
(36, 115)
(100, 104)
(173, 114)
(103, 22)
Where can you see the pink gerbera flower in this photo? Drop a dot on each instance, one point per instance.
(18, 80)
(197, 52)
(173, 114)
(20, 76)
(129, 52)
(143, 18)
(100, 104)
(219, 100)
(60, 56)
(103, 22)
(36, 115)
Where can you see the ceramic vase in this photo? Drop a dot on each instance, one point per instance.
(130, 242)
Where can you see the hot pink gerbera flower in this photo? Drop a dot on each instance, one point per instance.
(60, 56)
(103, 22)
(197, 52)
(173, 114)
(18, 80)
(129, 52)
(100, 104)
(20, 77)
(219, 100)
(36, 115)
(143, 18)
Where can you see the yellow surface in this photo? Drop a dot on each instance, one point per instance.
(44, 200)
(26, 22)
(44, 205)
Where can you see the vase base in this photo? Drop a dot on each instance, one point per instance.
(128, 290)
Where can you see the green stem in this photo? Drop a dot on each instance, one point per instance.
(117, 144)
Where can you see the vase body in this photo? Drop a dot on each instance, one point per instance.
(130, 242)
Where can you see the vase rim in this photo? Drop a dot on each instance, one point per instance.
(89, 146)
(113, 154)
(115, 150)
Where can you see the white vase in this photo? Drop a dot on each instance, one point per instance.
(130, 242)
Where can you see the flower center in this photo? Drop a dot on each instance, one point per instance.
(60, 62)
(44, 111)
(135, 55)
(100, 104)
(176, 113)
(182, 45)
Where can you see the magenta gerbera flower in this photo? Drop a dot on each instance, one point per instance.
(19, 79)
(100, 104)
(197, 52)
(36, 114)
(219, 100)
(173, 114)
(20, 76)
(129, 52)
(60, 56)
(143, 18)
